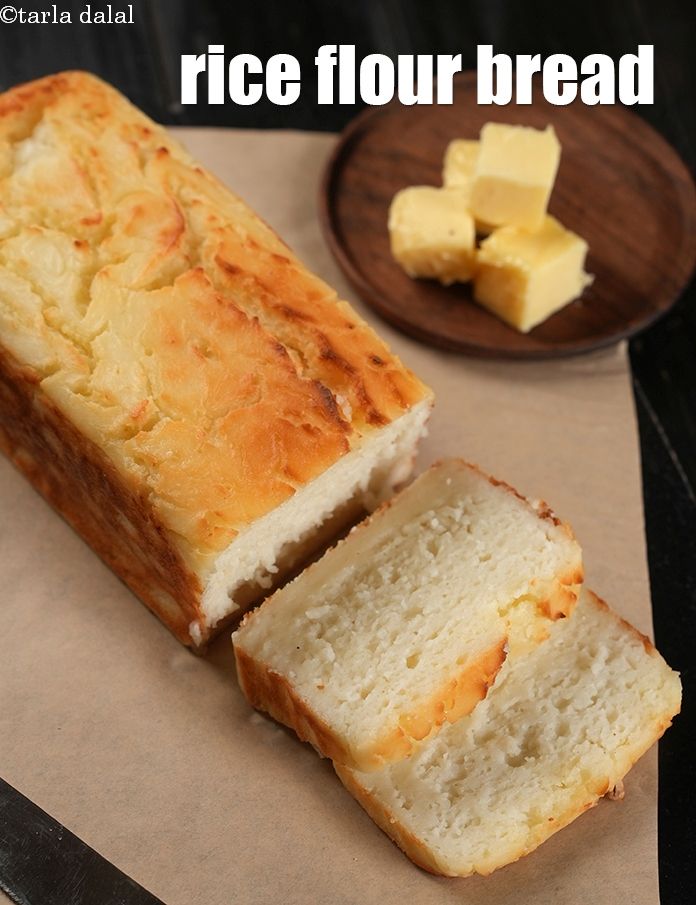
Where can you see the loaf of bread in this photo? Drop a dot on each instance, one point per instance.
(404, 624)
(561, 727)
(194, 401)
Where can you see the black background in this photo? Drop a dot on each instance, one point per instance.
(143, 61)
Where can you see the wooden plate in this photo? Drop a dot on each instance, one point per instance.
(620, 186)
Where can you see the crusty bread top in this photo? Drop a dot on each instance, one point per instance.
(169, 322)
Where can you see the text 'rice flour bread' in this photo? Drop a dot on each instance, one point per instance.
(559, 729)
(172, 378)
(404, 624)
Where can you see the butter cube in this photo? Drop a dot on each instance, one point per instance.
(458, 172)
(525, 276)
(432, 234)
(514, 175)
(460, 163)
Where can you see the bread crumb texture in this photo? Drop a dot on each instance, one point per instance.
(560, 728)
(171, 325)
(404, 625)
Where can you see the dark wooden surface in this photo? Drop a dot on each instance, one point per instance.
(642, 239)
(143, 61)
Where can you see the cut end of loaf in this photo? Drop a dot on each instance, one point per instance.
(272, 548)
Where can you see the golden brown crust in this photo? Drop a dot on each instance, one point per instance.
(423, 857)
(249, 263)
(410, 844)
(556, 601)
(644, 640)
(455, 699)
(270, 691)
(79, 481)
(171, 327)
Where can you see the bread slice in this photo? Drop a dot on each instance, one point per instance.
(404, 624)
(196, 403)
(560, 729)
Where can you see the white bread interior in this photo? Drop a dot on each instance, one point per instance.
(404, 624)
(561, 728)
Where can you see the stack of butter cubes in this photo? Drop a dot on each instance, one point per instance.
(528, 266)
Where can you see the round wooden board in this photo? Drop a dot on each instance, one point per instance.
(620, 186)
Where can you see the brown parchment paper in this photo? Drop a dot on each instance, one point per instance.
(151, 755)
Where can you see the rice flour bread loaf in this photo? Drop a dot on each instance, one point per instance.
(559, 729)
(404, 625)
(194, 401)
